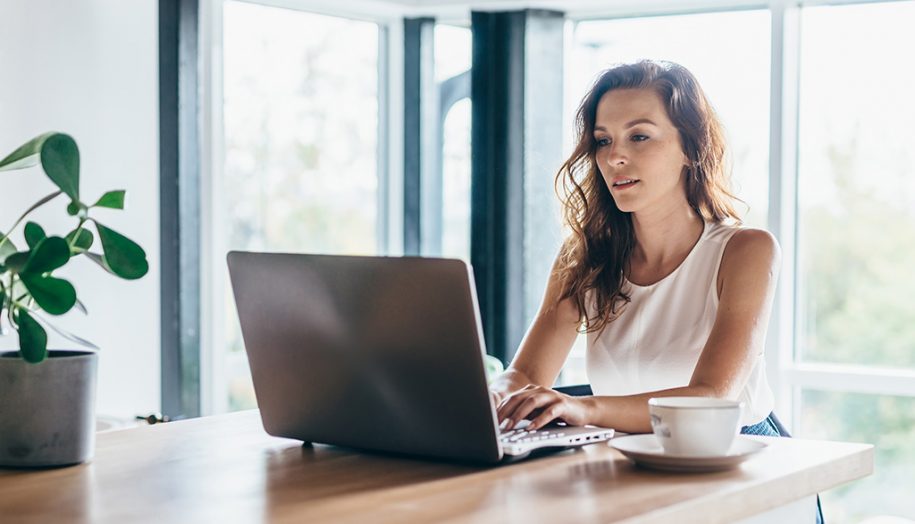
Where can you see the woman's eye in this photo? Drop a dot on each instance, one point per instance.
(639, 138)
(601, 142)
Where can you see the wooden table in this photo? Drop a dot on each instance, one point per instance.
(226, 469)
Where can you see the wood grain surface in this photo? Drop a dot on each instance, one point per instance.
(227, 469)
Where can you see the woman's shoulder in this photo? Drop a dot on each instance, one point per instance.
(753, 240)
(749, 248)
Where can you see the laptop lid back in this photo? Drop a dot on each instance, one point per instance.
(378, 353)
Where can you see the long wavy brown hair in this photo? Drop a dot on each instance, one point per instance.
(595, 255)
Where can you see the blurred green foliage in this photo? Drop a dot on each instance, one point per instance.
(856, 283)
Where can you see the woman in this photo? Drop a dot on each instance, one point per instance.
(675, 296)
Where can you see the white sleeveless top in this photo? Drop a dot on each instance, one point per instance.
(656, 341)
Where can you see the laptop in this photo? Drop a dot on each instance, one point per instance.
(376, 353)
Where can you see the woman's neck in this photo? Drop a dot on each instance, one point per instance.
(665, 238)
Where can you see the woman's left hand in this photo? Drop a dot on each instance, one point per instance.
(542, 405)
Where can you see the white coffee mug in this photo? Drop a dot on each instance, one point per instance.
(695, 426)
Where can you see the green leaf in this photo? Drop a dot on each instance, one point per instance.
(50, 254)
(83, 240)
(33, 339)
(26, 155)
(73, 208)
(59, 157)
(66, 334)
(112, 199)
(33, 234)
(7, 248)
(17, 261)
(60, 160)
(100, 260)
(123, 256)
(54, 295)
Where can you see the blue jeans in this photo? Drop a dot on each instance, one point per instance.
(772, 427)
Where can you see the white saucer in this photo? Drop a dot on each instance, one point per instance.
(645, 450)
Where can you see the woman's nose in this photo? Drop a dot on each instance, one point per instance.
(616, 156)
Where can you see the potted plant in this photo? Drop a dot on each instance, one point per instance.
(47, 397)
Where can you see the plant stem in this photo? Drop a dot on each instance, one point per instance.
(20, 305)
(79, 229)
(9, 299)
(38, 204)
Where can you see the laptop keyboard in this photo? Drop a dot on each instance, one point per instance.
(524, 436)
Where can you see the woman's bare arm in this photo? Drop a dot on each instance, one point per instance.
(545, 347)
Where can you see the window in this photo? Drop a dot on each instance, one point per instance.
(301, 111)
(856, 191)
(888, 422)
(730, 55)
(856, 242)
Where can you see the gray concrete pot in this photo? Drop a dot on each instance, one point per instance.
(47, 410)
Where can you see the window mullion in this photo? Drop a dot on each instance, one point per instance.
(782, 214)
(391, 139)
(852, 379)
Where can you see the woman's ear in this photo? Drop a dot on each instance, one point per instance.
(686, 161)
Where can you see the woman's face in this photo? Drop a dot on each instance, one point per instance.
(638, 150)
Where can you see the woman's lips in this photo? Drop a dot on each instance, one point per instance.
(624, 186)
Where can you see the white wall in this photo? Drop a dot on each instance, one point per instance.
(90, 68)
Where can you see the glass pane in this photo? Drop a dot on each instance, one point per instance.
(453, 47)
(885, 421)
(856, 194)
(735, 78)
(301, 124)
(456, 182)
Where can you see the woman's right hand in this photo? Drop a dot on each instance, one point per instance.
(544, 348)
